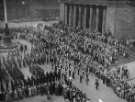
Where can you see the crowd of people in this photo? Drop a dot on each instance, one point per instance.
(73, 50)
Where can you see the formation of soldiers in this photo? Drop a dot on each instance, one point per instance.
(48, 83)
(75, 51)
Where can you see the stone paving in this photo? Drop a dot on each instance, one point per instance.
(104, 93)
(42, 99)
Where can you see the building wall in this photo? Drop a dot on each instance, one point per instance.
(16, 10)
(110, 19)
(120, 20)
(125, 22)
(62, 10)
(42, 9)
(32, 9)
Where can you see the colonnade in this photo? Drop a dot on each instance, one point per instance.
(90, 17)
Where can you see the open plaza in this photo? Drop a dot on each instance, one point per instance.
(76, 58)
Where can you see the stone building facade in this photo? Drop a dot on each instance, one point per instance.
(29, 10)
(115, 16)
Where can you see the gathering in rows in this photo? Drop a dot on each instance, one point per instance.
(70, 53)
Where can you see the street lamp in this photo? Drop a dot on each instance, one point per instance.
(5, 10)
(5, 17)
(6, 38)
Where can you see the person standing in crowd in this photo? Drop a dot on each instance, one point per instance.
(81, 78)
(87, 78)
(97, 84)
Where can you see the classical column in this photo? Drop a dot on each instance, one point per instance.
(90, 19)
(104, 20)
(65, 14)
(77, 16)
(74, 15)
(70, 15)
(79, 19)
(84, 17)
(97, 19)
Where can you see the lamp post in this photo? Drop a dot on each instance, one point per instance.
(6, 36)
(5, 17)
(5, 11)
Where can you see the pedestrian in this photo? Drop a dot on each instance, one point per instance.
(87, 80)
(97, 84)
(81, 78)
